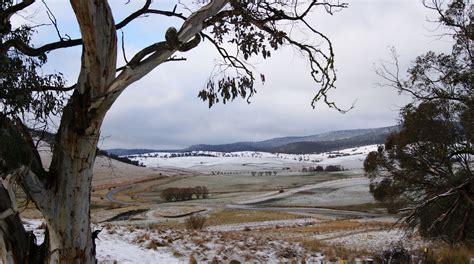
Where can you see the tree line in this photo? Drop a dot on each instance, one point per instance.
(329, 168)
(184, 194)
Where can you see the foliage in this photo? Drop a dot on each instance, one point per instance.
(425, 169)
(255, 28)
(195, 222)
(25, 89)
(395, 254)
(121, 159)
(184, 194)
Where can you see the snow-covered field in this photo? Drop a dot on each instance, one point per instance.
(351, 195)
(337, 184)
(207, 161)
(126, 244)
(241, 242)
(264, 224)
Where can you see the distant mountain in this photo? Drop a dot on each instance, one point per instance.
(232, 147)
(329, 141)
(332, 145)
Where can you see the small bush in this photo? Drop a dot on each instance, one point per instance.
(395, 254)
(288, 253)
(195, 222)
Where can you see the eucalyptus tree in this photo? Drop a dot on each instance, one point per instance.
(62, 192)
(425, 169)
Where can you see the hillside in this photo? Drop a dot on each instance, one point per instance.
(329, 141)
(333, 145)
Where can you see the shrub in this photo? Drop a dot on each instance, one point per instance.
(395, 254)
(195, 222)
(288, 253)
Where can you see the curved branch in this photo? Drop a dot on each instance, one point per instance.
(30, 51)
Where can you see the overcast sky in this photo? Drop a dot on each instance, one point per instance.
(162, 110)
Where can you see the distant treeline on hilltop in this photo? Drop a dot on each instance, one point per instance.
(319, 143)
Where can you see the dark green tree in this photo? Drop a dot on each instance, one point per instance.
(425, 170)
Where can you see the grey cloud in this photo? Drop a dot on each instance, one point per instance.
(162, 110)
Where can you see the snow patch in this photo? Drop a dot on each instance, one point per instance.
(207, 161)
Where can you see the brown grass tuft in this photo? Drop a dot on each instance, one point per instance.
(154, 244)
(195, 222)
(457, 255)
(192, 259)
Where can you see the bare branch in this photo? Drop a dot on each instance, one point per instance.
(146, 10)
(53, 20)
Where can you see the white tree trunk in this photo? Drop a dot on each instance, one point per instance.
(67, 211)
(63, 194)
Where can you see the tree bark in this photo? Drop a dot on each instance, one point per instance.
(13, 238)
(67, 211)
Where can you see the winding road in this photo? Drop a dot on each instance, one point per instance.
(255, 203)
(110, 195)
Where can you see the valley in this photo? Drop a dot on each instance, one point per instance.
(276, 205)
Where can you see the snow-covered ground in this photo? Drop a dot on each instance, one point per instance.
(128, 244)
(116, 247)
(374, 240)
(337, 184)
(249, 161)
(263, 224)
(351, 195)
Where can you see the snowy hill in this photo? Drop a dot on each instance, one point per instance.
(246, 161)
(319, 143)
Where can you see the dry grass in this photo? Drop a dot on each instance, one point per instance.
(332, 252)
(229, 216)
(335, 226)
(457, 255)
(192, 260)
(154, 244)
(177, 253)
(195, 222)
(141, 238)
(169, 224)
(312, 245)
